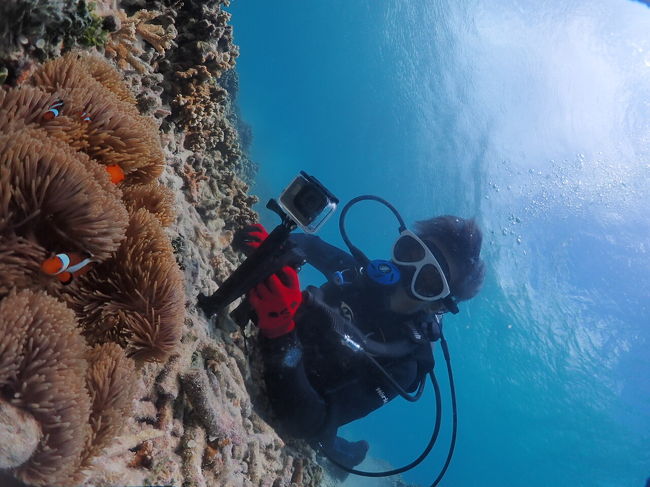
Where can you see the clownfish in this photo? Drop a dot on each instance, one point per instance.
(54, 110)
(116, 173)
(65, 266)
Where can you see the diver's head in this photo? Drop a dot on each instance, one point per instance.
(439, 263)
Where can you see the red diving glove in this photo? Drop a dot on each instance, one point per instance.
(249, 238)
(276, 301)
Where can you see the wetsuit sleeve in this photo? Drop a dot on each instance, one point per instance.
(323, 256)
(298, 406)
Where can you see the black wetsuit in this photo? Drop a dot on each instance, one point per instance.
(314, 382)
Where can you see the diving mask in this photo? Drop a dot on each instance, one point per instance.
(428, 281)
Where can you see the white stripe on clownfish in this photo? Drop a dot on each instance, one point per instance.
(80, 265)
(54, 110)
(65, 262)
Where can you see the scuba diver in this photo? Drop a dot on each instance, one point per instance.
(316, 379)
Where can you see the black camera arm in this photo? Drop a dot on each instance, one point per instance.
(273, 254)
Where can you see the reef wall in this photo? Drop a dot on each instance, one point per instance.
(162, 396)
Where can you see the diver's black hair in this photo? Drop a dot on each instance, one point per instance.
(461, 240)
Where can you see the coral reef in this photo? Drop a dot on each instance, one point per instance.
(195, 414)
(202, 110)
(124, 44)
(39, 29)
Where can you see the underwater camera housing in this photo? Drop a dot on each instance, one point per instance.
(307, 202)
(304, 203)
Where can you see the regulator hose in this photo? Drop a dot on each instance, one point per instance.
(436, 429)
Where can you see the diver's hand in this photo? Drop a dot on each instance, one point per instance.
(250, 238)
(276, 301)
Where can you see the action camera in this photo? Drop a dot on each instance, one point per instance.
(307, 202)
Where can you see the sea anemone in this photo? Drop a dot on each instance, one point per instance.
(110, 383)
(20, 261)
(106, 75)
(116, 133)
(23, 105)
(159, 200)
(42, 371)
(51, 198)
(58, 140)
(135, 299)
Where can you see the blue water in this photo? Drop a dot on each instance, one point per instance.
(532, 116)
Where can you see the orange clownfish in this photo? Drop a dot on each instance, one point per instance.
(54, 110)
(116, 173)
(65, 266)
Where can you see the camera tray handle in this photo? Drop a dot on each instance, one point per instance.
(273, 254)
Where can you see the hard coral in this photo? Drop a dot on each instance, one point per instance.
(205, 38)
(44, 27)
(199, 108)
(123, 45)
(192, 181)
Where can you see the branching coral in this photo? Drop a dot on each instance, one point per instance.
(123, 44)
(206, 38)
(42, 371)
(199, 107)
(136, 299)
(193, 180)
